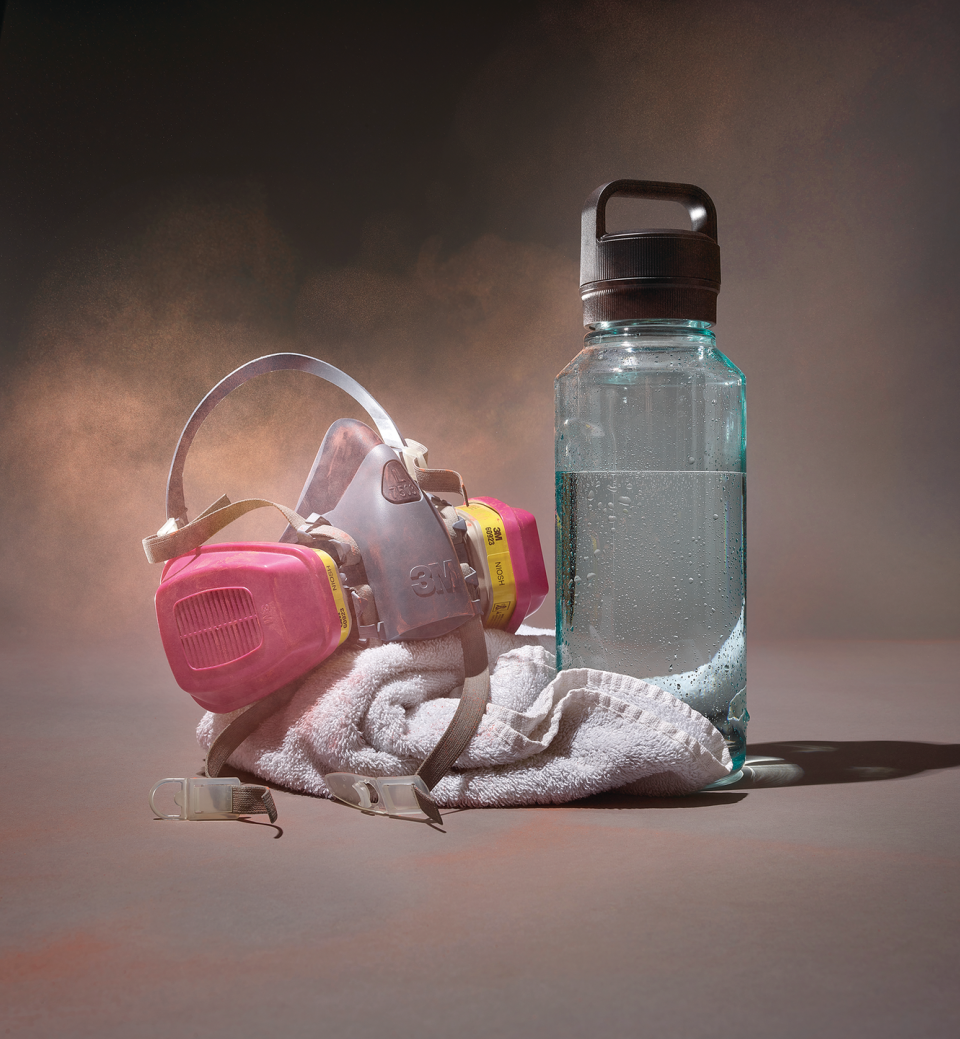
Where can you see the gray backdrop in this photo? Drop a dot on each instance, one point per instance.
(396, 189)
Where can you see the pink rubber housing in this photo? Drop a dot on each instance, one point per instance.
(238, 621)
(526, 558)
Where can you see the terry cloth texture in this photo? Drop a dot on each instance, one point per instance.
(546, 737)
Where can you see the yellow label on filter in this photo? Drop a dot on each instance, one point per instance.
(333, 577)
(503, 585)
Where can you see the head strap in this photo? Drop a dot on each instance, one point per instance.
(176, 505)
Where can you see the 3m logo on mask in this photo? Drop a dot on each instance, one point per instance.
(434, 577)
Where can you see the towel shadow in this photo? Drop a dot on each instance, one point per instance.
(794, 763)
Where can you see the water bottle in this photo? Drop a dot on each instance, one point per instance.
(651, 466)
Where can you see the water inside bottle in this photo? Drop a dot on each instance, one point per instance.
(650, 579)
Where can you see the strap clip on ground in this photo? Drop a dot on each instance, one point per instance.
(200, 797)
(402, 797)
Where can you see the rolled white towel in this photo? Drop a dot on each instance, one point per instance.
(545, 737)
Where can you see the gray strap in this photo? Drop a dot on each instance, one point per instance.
(160, 547)
(252, 799)
(249, 798)
(463, 725)
(473, 702)
(176, 506)
(240, 728)
(441, 481)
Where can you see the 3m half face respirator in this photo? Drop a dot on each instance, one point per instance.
(371, 552)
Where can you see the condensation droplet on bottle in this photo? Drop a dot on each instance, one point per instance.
(691, 460)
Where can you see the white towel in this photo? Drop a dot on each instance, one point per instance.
(546, 737)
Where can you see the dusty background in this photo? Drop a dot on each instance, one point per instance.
(396, 189)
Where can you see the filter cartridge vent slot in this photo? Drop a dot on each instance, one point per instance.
(217, 626)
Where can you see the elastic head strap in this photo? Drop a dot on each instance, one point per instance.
(176, 505)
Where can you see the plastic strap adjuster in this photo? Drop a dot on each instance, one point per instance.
(200, 797)
(402, 797)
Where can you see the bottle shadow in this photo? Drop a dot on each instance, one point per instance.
(801, 763)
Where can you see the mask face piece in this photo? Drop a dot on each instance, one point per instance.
(409, 560)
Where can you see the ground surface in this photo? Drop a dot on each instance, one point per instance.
(819, 898)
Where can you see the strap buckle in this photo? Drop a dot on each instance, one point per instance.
(401, 797)
(201, 797)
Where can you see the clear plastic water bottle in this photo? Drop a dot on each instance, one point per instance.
(651, 467)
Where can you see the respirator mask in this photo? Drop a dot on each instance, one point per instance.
(372, 552)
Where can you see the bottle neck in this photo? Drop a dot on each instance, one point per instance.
(666, 332)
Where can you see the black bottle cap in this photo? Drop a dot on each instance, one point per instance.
(653, 272)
